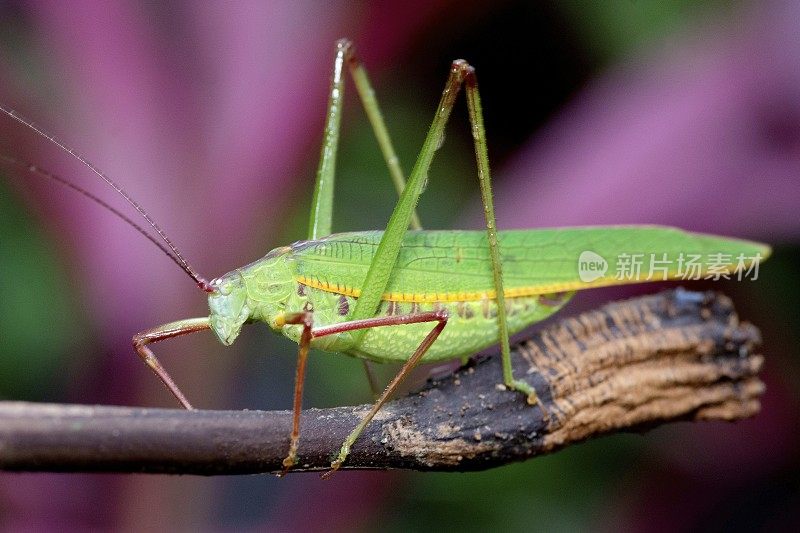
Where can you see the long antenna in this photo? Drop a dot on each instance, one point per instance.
(166, 246)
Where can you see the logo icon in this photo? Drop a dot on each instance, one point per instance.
(591, 266)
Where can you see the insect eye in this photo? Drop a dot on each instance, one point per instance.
(224, 288)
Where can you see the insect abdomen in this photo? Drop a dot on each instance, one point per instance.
(472, 327)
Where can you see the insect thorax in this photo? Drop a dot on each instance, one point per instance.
(256, 292)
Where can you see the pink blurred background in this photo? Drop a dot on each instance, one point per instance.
(210, 114)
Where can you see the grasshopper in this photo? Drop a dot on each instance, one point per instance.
(409, 295)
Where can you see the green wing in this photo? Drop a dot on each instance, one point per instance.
(455, 265)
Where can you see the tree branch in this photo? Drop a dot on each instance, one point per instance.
(629, 365)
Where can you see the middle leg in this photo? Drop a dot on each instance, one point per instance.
(309, 332)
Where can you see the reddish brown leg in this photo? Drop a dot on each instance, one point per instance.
(408, 366)
(160, 333)
(307, 321)
(309, 333)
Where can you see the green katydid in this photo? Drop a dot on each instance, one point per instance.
(412, 296)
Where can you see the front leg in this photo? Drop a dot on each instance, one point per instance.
(160, 333)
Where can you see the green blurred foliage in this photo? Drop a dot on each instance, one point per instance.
(614, 28)
(39, 326)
